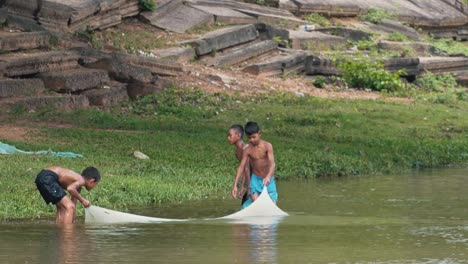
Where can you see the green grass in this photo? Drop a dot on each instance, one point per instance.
(190, 158)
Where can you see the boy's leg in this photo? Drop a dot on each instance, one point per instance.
(65, 211)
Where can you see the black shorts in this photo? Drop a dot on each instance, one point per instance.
(245, 197)
(48, 185)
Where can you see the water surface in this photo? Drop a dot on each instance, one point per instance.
(412, 218)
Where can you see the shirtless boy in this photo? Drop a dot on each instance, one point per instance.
(234, 137)
(52, 183)
(262, 164)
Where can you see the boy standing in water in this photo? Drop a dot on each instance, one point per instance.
(262, 163)
(234, 136)
(52, 183)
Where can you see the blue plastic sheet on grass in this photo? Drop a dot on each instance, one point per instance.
(9, 149)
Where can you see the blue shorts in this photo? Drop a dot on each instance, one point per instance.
(256, 186)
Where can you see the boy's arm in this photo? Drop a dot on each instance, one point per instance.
(74, 190)
(271, 161)
(240, 171)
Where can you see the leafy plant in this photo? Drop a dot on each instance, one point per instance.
(147, 5)
(364, 73)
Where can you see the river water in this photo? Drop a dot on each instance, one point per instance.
(412, 218)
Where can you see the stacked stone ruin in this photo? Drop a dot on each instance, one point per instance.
(38, 70)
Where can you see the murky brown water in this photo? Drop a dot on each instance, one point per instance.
(414, 218)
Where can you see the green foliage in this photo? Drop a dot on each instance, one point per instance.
(441, 88)
(370, 44)
(450, 46)
(320, 81)
(375, 15)
(147, 5)
(316, 18)
(280, 41)
(397, 36)
(365, 73)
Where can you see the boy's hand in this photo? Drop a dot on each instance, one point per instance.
(86, 203)
(266, 181)
(234, 192)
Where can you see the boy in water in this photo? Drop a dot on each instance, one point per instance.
(52, 183)
(262, 163)
(234, 137)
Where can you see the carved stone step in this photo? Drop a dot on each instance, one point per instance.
(20, 87)
(24, 41)
(28, 64)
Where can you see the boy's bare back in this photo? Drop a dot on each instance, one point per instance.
(67, 177)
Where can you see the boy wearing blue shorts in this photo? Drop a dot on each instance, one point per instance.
(262, 164)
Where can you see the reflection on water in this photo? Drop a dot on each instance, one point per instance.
(263, 245)
(414, 218)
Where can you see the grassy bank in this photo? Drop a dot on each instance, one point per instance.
(183, 132)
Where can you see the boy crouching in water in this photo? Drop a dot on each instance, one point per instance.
(234, 137)
(262, 164)
(52, 183)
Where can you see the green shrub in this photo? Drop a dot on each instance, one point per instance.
(375, 15)
(147, 5)
(316, 18)
(320, 82)
(365, 73)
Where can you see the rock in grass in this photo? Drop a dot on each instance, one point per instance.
(140, 155)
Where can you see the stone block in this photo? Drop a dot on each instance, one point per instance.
(57, 102)
(314, 40)
(24, 41)
(239, 55)
(281, 64)
(110, 95)
(320, 66)
(176, 54)
(28, 64)
(419, 48)
(136, 89)
(179, 18)
(347, 33)
(440, 65)
(20, 87)
(74, 80)
(121, 71)
(391, 26)
(226, 15)
(154, 65)
(269, 32)
(409, 65)
(223, 38)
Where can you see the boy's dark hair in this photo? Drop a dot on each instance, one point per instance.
(91, 173)
(239, 129)
(251, 128)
